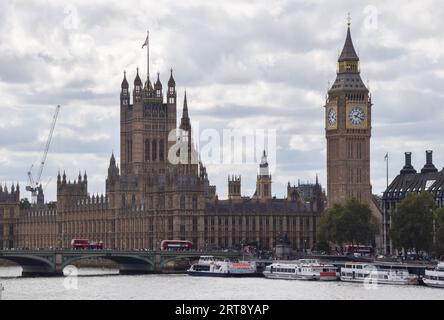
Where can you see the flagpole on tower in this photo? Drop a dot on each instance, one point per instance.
(148, 55)
(147, 44)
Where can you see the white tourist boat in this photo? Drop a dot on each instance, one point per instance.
(435, 277)
(210, 266)
(304, 269)
(377, 274)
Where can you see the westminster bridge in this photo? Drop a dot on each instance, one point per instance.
(52, 262)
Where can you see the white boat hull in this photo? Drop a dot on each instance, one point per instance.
(381, 281)
(433, 283)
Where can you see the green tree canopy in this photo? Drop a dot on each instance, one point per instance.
(25, 204)
(439, 227)
(351, 222)
(412, 222)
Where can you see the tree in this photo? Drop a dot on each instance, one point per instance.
(412, 223)
(439, 232)
(327, 225)
(351, 222)
(25, 204)
(52, 205)
(356, 224)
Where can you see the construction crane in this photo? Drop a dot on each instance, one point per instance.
(34, 186)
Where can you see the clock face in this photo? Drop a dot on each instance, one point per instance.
(331, 117)
(356, 116)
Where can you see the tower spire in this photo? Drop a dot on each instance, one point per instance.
(348, 52)
(185, 122)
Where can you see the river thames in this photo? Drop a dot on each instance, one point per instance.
(104, 284)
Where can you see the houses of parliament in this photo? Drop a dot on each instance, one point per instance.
(149, 199)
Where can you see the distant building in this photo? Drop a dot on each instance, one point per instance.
(429, 179)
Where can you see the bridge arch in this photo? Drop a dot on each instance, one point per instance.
(32, 265)
(128, 264)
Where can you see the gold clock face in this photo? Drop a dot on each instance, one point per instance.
(356, 116)
(332, 115)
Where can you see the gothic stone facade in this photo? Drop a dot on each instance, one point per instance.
(148, 199)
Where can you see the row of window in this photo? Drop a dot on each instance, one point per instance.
(149, 204)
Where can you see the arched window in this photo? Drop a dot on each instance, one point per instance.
(123, 201)
(154, 150)
(182, 202)
(161, 150)
(147, 150)
(130, 150)
(194, 202)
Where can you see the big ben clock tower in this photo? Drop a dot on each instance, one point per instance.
(348, 131)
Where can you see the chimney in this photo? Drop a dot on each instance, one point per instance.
(429, 167)
(408, 168)
(429, 157)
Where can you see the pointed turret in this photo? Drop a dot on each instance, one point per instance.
(112, 160)
(124, 94)
(171, 93)
(263, 166)
(348, 73)
(171, 81)
(185, 121)
(348, 52)
(125, 84)
(137, 93)
(263, 181)
(348, 60)
(137, 80)
(158, 86)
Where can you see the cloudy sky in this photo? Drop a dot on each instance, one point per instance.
(245, 64)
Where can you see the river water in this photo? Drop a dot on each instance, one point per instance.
(103, 284)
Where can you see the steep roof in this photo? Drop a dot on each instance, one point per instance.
(348, 52)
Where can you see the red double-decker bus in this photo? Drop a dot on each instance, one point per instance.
(85, 244)
(176, 245)
(359, 250)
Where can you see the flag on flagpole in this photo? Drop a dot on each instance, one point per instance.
(386, 156)
(146, 42)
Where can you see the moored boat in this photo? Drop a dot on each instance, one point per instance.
(377, 274)
(435, 277)
(304, 269)
(210, 266)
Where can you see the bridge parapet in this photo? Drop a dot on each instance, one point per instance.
(52, 262)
